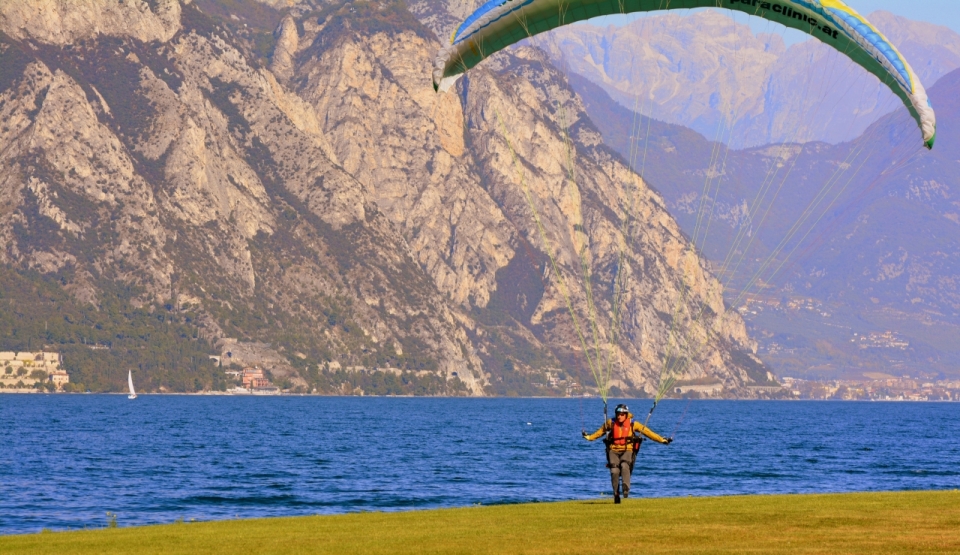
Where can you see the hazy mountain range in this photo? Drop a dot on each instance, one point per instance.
(877, 252)
(710, 72)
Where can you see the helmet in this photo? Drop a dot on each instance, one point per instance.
(621, 409)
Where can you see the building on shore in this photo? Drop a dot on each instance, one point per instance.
(58, 378)
(260, 383)
(251, 375)
(25, 369)
(256, 380)
(708, 390)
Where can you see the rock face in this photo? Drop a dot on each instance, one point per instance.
(64, 22)
(338, 211)
(282, 64)
(710, 72)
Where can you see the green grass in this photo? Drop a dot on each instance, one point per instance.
(907, 522)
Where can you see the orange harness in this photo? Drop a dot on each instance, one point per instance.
(622, 433)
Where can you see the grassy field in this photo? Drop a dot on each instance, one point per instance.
(909, 522)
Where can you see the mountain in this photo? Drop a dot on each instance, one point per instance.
(875, 257)
(891, 245)
(280, 185)
(710, 72)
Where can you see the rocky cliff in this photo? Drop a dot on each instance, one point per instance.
(285, 177)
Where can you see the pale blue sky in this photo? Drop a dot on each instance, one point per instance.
(941, 12)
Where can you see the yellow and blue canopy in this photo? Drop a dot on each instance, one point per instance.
(500, 23)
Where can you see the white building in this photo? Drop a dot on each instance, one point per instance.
(703, 389)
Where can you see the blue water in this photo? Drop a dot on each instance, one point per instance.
(67, 459)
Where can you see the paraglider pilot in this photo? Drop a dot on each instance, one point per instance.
(623, 442)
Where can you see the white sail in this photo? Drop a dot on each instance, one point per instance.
(133, 394)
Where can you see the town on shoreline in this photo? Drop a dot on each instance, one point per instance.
(43, 372)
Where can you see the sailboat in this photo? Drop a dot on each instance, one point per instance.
(133, 394)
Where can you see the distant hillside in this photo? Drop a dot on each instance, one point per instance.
(708, 68)
(884, 257)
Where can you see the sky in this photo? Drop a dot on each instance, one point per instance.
(940, 12)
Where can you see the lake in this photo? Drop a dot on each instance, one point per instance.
(65, 460)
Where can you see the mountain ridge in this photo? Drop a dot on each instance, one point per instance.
(710, 72)
(899, 225)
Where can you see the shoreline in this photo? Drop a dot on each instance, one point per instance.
(882, 522)
(262, 395)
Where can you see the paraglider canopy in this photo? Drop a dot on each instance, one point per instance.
(500, 23)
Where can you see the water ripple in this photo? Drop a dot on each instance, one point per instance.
(67, 459)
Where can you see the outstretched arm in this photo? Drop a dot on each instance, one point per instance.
(603, 429)
(638, 427)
